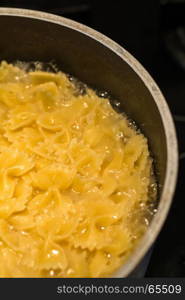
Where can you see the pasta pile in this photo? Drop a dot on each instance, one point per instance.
(74, 175)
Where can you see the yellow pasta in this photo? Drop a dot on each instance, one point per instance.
(75, 179)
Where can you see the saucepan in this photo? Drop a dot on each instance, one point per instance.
(102, 64)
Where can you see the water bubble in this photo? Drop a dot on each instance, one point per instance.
(116, 103)
(51, 272)
(146, 221)
(70, 271)
(55, 252)
(120, 134)
(83, 231)
(103, 94)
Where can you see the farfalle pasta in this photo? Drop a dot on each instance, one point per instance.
(75, 179)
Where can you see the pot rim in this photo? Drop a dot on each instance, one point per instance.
(172, 149)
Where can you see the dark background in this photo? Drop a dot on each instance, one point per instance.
(153, 31)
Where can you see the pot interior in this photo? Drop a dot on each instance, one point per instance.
(92, 61)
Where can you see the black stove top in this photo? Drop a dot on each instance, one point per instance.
(148, 29)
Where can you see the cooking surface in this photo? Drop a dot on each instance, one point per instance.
(150, 33)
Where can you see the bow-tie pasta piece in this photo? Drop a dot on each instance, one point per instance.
(11, 74)
(41, 77)
(51, 121)
(7, 185)
(15, 162)
(103, 264)
(54, 176)
(77, 263)
(46, 96)
(52, 256)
